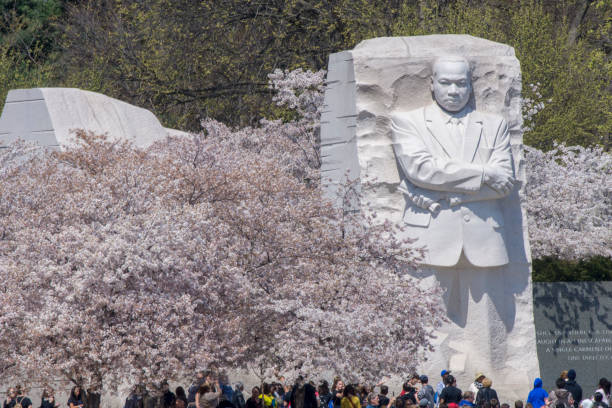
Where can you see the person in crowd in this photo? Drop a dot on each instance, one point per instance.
(573, 387)
(238, 398)
(267, 396)
(151, 399)
(11, 395)
(350, 398)
(303, 394)
(180, 403)
(224, 402)
(450, 393)
(48, 398)
(494, 403)
(477, 384)
(468, 400)
(167, 397)
(538, 395)
(426, 392)
(22, 397)
(598, 401)
(409, 394)
(560, 395)
(486, 393)
(603, 387)
(528, 405)
(415, 381)
(563, 375)
(383, 400)
(337, 391)
(518, 404)
(504, 405)
(180, 394)
(134, 400)
(325, 395)
(278, 391)
(225, 386)
(198, 381)
(373, 400)
(208, 395)
(444, 374)
(254, 401)
(362, 392)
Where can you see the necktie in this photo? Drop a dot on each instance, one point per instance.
(456, 135)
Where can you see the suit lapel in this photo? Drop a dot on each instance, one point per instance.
(438, 130)
(472, 136)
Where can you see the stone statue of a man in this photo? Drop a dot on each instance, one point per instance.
(455, 165)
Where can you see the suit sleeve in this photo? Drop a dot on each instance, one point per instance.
(501, 159)
(427, 171)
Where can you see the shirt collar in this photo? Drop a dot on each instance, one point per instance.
(461, 115)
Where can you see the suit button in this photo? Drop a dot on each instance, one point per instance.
(466, 218)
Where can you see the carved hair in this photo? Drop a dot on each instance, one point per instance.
(451, 58)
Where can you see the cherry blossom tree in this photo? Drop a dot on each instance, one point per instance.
(122, 265)
(568, 198)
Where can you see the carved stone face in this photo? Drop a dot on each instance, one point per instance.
(451, 84)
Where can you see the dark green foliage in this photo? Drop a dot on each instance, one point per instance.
(188, 60)
(549, 269)
(27, 24)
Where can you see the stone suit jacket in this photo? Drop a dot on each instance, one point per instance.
(451, 173)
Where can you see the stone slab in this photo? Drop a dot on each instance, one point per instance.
(49, 116)
(490, 310)
(574, 330)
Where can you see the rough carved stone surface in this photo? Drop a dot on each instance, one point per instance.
(48, 115)
(490, 309)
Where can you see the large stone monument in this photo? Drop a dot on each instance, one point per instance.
(49, 116)
(431, 128)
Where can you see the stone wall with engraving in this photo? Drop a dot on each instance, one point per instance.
(574, 330)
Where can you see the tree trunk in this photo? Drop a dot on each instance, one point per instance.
(581, 11)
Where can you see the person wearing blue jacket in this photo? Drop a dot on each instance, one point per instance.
(538, 396)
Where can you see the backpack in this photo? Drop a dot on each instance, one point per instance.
(324, 401)
(18, 403)
(484, 395)
(564, 400)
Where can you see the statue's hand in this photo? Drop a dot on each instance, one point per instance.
(498, 180)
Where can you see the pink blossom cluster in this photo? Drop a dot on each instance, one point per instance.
(123, 265)
(568, 198)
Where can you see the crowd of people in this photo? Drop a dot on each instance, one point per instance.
(210, 391)
(206, 391)
(16, 397)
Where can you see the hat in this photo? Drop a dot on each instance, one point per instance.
(478, 375)
(444, 372)
(571, 374)
(423, 402)
(424, 379)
